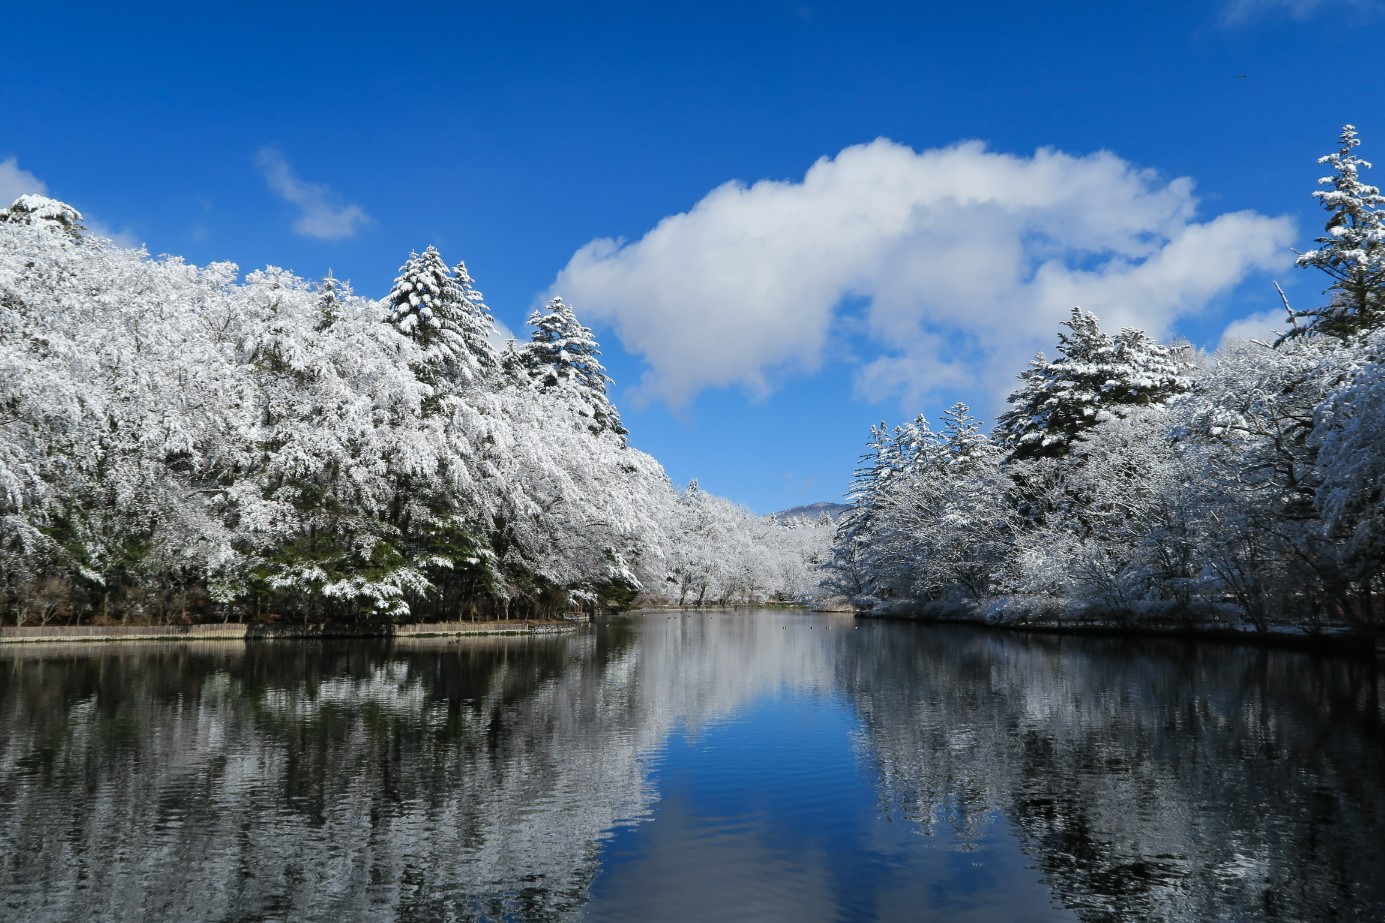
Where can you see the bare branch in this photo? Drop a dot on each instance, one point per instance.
(1293, 318)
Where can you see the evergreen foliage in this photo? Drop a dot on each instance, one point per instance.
(1353, 252)
(442, 310)
(1095, 376)
(1137, 490)
(563, 354)
(178, 444)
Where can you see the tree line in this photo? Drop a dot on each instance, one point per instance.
(178, 443)
(1135, 483)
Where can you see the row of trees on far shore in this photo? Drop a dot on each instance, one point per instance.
(1136, 483)
(181, 444)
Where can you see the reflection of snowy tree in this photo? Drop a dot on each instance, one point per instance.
(1149, 781)
(350, 782)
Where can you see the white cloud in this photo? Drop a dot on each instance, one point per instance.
(121, 238)
(1240, 12)
(501, 335)
(1264, 326)
(15, 182)
(965, 260)
(320, 211)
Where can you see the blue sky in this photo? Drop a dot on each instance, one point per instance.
(760, 330)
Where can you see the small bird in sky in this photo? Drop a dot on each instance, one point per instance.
(1241, 76)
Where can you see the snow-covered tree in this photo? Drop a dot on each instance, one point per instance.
(853, 572)
(353, 478)
(721, 553)
(1350, 439)
(179, 443)
(1352, 253)
(929, 519)
(965, 443)
(1094, 376)
(447, 316)
(561, 353)
(331, 292)
(41, 211)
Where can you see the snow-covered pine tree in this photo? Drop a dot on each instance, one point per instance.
(331, 291)
(1094, 375)
(563, 354)
(1352, 253)
(862, 534)
(447, 317)
(417, 291)
(475, 323)
(1150, 371)
(847, 573)
(42, 211)
(512, 368)
(966, 444)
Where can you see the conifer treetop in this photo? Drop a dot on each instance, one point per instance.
(443, 311)
(42, 211)
(1352, 253)
(564, 355)
(1094, 376)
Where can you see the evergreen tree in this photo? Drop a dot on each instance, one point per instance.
(512, 368)
(965, 443)
(890, 454)
(42, 211)
(1093, 377)
(474, 321)
(446, 315)
(1352, 253)
(330, 294)
(848, 573)
(563, 354)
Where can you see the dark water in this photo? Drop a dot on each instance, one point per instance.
(759, 766)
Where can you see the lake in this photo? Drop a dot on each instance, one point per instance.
(757, 765)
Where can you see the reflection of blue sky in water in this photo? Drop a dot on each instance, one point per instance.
(773, 815)
(706, 766)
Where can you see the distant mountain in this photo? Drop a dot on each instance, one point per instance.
(813, 511)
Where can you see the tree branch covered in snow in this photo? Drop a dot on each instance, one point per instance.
(179, 443)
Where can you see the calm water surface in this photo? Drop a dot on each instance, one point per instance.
(760, 766)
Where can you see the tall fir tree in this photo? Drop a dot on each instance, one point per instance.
(1352, 253)
(331, 292)
(474, 321)
(966, 445)
(1094, 375)
(563, 354)
(446, 315)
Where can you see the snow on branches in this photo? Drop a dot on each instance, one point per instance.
(180, 444)
(1138, 489)
(1096, 376)
(1353, 252)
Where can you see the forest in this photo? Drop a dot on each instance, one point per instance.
(1137, 484)
(179, 444)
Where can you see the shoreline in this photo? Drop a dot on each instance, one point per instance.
(1337, 640)
(248, 632)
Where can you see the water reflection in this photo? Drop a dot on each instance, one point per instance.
(644, 767)
(303, 782)
(1149, 779)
